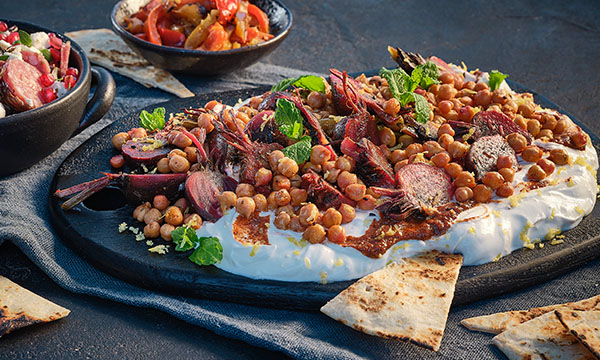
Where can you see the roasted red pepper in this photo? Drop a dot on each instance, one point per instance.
(227, 10)
(216, 38)
(171, 37)
(150, 28)
(260, 16)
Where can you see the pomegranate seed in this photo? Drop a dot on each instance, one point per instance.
(72, 71)
(420, 92)
(55, 54)
(48, 95)
(12, 38)
(46, 80)
(55, 41)
(69, 81)
(3, 26)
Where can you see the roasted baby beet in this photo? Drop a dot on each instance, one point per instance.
(484, 153)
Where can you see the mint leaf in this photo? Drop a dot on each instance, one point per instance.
(300, 151)
(185, 237)
(3, 57)
(416, 76)
(154, 121)
(308, 82)
(430, 75)
(24, 38)
(208, 252)
(496, 78)
(46, 54)
(422, 108)
(398, 81)
(289, 119)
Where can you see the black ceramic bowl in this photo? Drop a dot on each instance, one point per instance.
(29, 136)
(198, 62)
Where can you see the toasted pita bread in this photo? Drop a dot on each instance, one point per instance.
(585, 326)
(20, 307)
(409, 300)
(544, 337)
(496, 323)
(105, 48)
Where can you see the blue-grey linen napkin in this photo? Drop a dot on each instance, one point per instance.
(24, 220)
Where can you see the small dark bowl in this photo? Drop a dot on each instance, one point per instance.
(198, 62)
(29, 136)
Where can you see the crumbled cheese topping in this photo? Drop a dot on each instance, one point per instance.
(552, 233)
(496, 213)
(122, 227)
(149, 242)
(323, 276)
(140, 237)
(255, 248)
(159, 249)
(497, 257)
(339, 262)
(307, 262)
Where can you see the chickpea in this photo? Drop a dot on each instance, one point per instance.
(287, 167)
(510, 107)
(177, 152)
(346, 178)
(336, 234)
(452, 115)
(282, 220)
(137, 133)
(245, 206)
(295, 181)
(348, 213)
(286, 208)
(141, 211)
(119, 139)
(405, 140)
(315, 100)
(463, 193)
(260, 202)
(387, 136)
(458, 150)
(441, 159)
(453, 169)
(182, 141)
(579, 139)
(504, 161)
(183, 204)
(255, 101)
(517, 141)
(193, 220)
(482, 98)
(494, 107)
(179, 164)
(281, 182)
(298, 196)
(344, 163)
(445, 140)
(532, 153)
(545, 133)
(282, 197)
(414, 149)
(559, 156)
(466, 113)
(295, 224)
(466, 100)
(434, 89)
(244, 190)
(465, 178)
(521, 121)
(391, 106)
(507, 173)
(549, 122)
(546, 165)
(310, 166)
(328, 166)
(271, 202)
(397, 155)
(400, 164)
(505, 190)
(227, 199)
(534, 127)
(445, 129)
(482, 193)
(196, 132)
(368, 202)
(332, 175)
(117, 161)
(319, 155)
(174, 216)
(162, 166)
(526, 109)
(152, 230)
(493, 179)
(446, 92)
(206, 121)
(481, 86)
(561, 126)
(308, 214)
(432, 147)
(274, 158)
(314, 234)
(446, 78)
(331, 217)
(191, 153)
(499, 96)
(355, 191)
(165, 231)
(536, 173)
(153, 215)
(160, 202)
(263, 177)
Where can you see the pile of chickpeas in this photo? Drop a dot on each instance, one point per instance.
(161, 218)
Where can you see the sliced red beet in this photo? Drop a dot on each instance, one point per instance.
(136, 156)
(496, 123)
(36, 59)
(203, 187)
(372, 166)
(144, 187)
(322, 193)
(19, 86)
(356, 127)
(484, 152)
(262, 128)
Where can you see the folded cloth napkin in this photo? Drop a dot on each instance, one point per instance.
(24, 220)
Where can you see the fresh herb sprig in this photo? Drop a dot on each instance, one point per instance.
(291, 123)
(154, 121)
(308, 82)
(24, 38)
(496, 79)
(207, 250)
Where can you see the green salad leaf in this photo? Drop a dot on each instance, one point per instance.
(289, 119)
(47, 54)
(3, 57)
(496, 78)
(308, 82)
(185, 238)
(300, 151)
(24, 38)
(154, 121)
(208, 252)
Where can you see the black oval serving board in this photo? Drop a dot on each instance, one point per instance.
(94, 235)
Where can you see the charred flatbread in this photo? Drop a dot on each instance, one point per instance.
(496, 323)
(544, 337)
(20, 307)
(105, 48)
(585, 326)
(408, 300)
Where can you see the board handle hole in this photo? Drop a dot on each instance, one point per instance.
(109, 198)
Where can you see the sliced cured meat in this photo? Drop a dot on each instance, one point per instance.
(483, 154)
(19, 85)
(496, 123)
(37, 60)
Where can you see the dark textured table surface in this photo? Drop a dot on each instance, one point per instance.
(551, 46)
